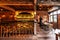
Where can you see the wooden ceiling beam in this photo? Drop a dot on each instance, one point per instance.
(8, 8)
(15, 4)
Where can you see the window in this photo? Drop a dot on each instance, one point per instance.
(50, 18)
(53, 16)
(55, 13)
(58, 11)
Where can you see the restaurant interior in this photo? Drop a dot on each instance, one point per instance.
(19, 19)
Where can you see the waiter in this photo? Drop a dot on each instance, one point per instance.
(44, 24)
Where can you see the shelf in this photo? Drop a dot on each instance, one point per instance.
(6, 22)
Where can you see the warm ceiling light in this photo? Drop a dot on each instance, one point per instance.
(35, 13)
(11, 15)
(3, 15)
(40, 5)
(1, 9)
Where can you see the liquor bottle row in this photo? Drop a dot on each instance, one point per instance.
(16, 29)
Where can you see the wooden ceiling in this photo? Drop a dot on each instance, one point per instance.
(20, 2)
(15, 5)
(44, 7)
(15, 2)
(24, 8)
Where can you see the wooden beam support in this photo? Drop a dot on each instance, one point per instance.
(8, 8)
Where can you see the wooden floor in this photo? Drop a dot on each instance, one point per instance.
(41, 35)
